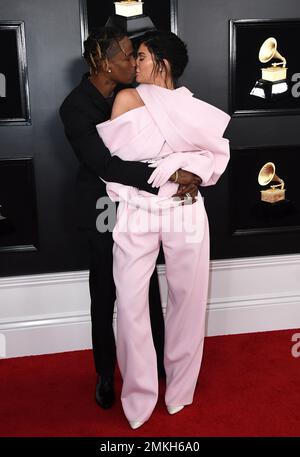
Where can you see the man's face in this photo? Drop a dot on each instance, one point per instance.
(122, 63)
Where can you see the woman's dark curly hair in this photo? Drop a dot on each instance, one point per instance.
(98, 43)
(166, 45)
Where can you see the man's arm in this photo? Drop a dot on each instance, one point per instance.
(90, 150)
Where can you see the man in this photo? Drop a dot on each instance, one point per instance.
(109, 54)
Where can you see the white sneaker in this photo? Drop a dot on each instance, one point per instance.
(174, 409)
(135, 424)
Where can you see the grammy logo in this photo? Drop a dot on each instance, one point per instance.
(276, 192)
(129, 8)
(273, 80)
(129, 18)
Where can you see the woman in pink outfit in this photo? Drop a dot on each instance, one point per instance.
(169, 128)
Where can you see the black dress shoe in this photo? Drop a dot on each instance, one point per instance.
(105, 393)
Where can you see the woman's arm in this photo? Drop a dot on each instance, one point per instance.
(207, 165)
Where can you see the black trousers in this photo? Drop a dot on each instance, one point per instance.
(103, 294)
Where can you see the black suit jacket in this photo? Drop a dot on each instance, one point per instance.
(80, 112)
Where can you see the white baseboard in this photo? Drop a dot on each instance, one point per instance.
(49, 313)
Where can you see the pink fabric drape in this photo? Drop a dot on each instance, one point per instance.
(171, 121)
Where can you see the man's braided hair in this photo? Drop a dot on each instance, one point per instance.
(97, 44)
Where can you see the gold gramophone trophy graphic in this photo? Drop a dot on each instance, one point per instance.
(273, 83)
(129, 17)
(276, 192)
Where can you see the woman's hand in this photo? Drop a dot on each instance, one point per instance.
(166, 168)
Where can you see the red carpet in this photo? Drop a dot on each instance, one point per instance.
(248, 386)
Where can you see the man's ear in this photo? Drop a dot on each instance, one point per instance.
(105, 66)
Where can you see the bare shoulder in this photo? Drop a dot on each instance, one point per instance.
(126, 100)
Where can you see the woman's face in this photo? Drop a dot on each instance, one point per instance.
(144, 66)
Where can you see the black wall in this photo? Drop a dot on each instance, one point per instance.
(53, 43)
(204, 26)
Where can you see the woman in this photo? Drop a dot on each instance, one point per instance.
(171, 129)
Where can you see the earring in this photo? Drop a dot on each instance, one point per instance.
(109, 70)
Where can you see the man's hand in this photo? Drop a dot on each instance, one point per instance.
(186, 177)
(192, 189)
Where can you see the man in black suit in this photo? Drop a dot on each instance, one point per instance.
(109, 54)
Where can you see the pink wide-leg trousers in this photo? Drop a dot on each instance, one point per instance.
(184, 234)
